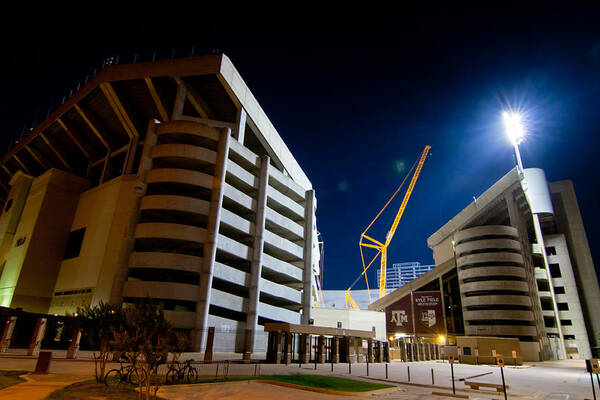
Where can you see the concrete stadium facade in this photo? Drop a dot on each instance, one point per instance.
(162, 179)
(497, 280)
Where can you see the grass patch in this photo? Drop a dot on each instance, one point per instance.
(92, 390)
(328, 382)
(315, 381)
(9, 378)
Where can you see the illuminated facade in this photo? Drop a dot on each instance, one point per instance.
(493, 276)
(162, 179)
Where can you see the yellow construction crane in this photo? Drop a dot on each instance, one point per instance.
(382, 247)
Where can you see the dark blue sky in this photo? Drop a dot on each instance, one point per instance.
(355, 97)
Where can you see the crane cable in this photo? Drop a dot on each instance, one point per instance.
(365, 268)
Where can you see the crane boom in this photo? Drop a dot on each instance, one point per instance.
(382, 247)
(392, 231)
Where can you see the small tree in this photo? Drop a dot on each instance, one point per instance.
(99, 324)
(145, 340)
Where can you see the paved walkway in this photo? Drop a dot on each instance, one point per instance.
(39, 387)
(264, 391)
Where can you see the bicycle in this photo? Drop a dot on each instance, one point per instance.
(124, 374)
(178, 372)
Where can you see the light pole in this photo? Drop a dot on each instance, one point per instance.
(515, 132)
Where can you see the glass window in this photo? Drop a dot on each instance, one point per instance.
(551, 251)
(554, 271)
(467, 351)
(74, 244)
(566, 322)
(563, 306)
(559, 290)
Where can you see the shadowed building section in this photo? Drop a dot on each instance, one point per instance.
(163, 179)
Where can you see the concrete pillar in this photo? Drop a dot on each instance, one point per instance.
(379, 352)
(304, 348)
(271, 347)
(240, 130)
(36, 339)
(370, 357)
(7, 332)
(335, 349)
(212, 236)
(415, 349)
(307, 275)
(349, 345)
(277, 347)
(321, 349)
(256, 264)
(73, 350)
(288, 347)
(360, 357)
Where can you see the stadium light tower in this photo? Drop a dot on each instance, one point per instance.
(516, 132)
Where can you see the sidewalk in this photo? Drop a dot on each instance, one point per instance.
(39, 387)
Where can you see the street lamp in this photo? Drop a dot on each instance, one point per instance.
(516, 132)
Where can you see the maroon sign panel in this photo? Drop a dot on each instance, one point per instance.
(398, 317)
(428, 313)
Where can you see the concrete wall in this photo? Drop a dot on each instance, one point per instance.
(34, 259)
(105, 212)
(574, 313)
(351, 319)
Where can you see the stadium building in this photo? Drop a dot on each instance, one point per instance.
(163, 179)
(494, 279)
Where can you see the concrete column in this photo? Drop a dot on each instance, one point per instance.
(370, 356)
(210, 246)
(307, 275)
(7, 332)
(36, 339)
(304, 348)
(256, 264)
(349, 345)
(241, 125)
(321, 349)
(132, 216)
(277, 347)
(271, 347)
(73, 350)
(335, 349)
(416, 352)
(360, 357)
(288, 347)
(379, 352)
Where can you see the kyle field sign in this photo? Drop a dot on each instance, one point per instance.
(416, 313)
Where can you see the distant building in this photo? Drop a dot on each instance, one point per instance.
(400, 274)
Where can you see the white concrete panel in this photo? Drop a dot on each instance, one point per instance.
(278, 314)
(236, 222)
(280, 291)
(228, 301)
(234, 248)
(230, 274)
(536, 190)
(288, 270)
(283, 244)
(284, 201)
(284, 222)
(239, 197)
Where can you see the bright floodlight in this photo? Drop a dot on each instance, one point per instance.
(514, 127)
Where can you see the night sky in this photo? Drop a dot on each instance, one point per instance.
(357, 97)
